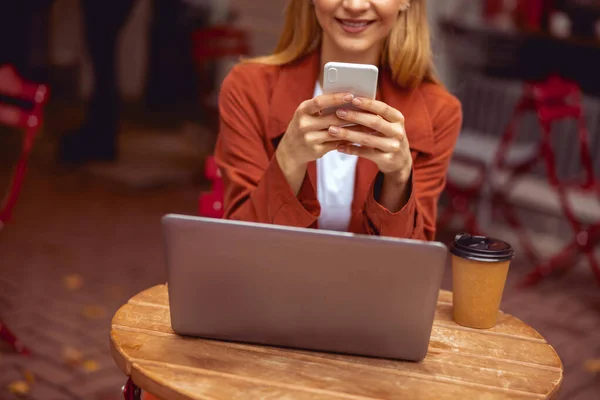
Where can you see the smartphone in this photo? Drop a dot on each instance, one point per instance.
(357, 79)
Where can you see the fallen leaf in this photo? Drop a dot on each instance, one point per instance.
(90, 365)
(20, 388)
(593, 366)
(72, 356)
(29, 377)
(73, 282)
(94, 312)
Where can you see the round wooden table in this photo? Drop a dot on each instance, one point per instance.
(510, 361)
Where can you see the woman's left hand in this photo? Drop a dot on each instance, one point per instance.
(386, 145)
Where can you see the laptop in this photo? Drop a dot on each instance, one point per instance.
(302, 288)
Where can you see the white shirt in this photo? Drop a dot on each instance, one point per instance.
(336, 174)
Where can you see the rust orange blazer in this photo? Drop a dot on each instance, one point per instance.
(257, 103)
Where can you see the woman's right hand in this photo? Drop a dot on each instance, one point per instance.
(307, 138)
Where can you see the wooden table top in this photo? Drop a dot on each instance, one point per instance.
(509, 361)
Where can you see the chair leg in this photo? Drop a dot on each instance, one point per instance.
(131, 391)
(9, 337)
(564, 261)
(515, 224)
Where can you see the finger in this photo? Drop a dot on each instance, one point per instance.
(320, 103)
(383, 143)
(309, 123)
(360, 128)
(325, 148)
(363, 152)
(372, 121)
(356, 127)
(379, 108)
(319, 137)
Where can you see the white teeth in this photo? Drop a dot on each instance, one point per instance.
(355, 24)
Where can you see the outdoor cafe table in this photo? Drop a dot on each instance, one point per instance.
(509, 361)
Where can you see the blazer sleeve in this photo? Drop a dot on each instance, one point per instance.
(255, 188)
(417, 219)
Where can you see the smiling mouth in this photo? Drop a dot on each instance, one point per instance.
(353, 25)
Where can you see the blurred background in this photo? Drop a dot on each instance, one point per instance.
(119, 98)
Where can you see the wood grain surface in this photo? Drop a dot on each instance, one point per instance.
(509, 361)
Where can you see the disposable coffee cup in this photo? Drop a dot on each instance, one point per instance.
(479, 270)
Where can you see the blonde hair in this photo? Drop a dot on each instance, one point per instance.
(407, 49)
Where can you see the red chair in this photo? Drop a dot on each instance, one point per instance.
(553, 100)
(13, 86)
(218, 42)
(30, 120)
(211, 203)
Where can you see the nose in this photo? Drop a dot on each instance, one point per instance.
(356, 5)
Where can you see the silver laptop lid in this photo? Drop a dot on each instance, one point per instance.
(302, 288)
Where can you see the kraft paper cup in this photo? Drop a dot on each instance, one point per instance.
(479, 270)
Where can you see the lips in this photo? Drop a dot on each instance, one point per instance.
(354, 25)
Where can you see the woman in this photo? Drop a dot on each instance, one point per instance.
(284, 163)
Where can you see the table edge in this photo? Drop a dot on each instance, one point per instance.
(126, 366)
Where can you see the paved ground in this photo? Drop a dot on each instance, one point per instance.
(80, 246)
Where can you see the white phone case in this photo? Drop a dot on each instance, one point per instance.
(358, 79)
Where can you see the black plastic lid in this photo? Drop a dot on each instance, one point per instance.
(481, 248)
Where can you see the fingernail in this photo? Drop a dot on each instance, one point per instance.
(357, 102)
(342, 113)
(341, 149)
(334, 130)
(348, 98)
